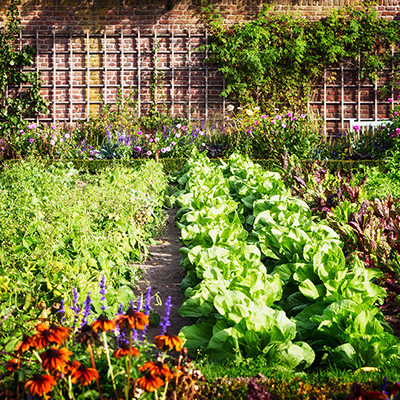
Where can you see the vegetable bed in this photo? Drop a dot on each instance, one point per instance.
(264, 279)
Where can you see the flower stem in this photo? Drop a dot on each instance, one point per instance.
(94, 366)
(109, 362)
(129, 364)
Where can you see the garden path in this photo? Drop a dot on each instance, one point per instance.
(164, 274)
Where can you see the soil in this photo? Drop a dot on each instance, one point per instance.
(162, 271)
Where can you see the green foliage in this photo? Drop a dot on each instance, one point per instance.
(255, 258)
(274, 59)
(61, 229)
(17, 104)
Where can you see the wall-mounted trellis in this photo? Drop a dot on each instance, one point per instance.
(80, 70)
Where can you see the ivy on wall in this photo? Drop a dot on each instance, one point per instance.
(16, 104)
(275, 59)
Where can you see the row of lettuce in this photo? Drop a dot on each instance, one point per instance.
(265, 279)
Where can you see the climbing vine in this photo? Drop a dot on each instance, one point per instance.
(275, 59)
(16, 103)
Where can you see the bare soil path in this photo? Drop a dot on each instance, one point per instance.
(164, 274)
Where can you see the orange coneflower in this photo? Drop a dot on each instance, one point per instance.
(71, 367)
(168, 339)
(124, 351)
(133, 319)
(54, 359)
(40, 384)
(149, 382)
(158, 369)
(12, 365)
(87, 335)
(25, 344)
(103, 324)
(84, 374)
(50, 335)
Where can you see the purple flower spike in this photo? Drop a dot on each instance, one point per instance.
(103, 292)
(86, 309)
(165, 322)
(139, 304)
(147, 306)
(120, 309)
(75, 307)
(62, 310)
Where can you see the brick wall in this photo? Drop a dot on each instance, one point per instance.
(84, 18)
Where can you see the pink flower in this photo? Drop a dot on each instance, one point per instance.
(149, 153)
(294, 119)
(52, 142)
(139, 149)
(151, 140)
(31, 140)
(390, 100)
(264, 116)
(203, 144)
(273, 122)
(168, 148)
(397, 131)
(53, 127)
(256, 123)
(147, 136)
(356, 127)
(201, 133)
(163, 150)
(302, 116)
(173, 143)
(283, 126)
(90, 159)
(139, 133)
(278, 117)
(395, 113)
(21, 132)
(289, 114)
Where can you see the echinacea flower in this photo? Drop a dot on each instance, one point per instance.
(12, 365)
(70, 367)
(87, 335)
(48, 335)
(132, 319)
(124, 351)
(54, 359)
(25, 344)
(149, 382)
(158, 369)
(40, 384)
(103, 324)
(84, 374)
(168, 340)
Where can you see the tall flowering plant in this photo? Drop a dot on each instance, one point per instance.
(101, 357)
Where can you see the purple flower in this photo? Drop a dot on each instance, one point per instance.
(273, 122)
(294, 119)
(139, 304)
(120, 309)
(356, 127)
(62, 310)
(103, 292)
(31, 140)
(75, 307)
(139, 149)
(86, 309)
(165, 322)
(147, 301)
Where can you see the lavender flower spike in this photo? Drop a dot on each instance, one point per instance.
(139, 304)
(75, 307)
(103, 292)
(62, 310)
(165, 322)
(86, 309)
(147, 306)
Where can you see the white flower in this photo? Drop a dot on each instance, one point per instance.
(230, 107)
(178, 126)
(201, 133)
(178, 135)
(203, 144)
(67, 136)
(168, 148)
(173, 143)
(156, 139)
(249, 112)
(52, 142)
(240, 108)
(256, 108)
(149, 153)
(61, 140)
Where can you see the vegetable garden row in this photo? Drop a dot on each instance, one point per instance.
(264, 278)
